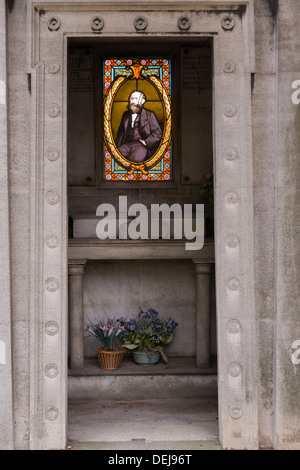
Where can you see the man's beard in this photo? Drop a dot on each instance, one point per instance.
(135, 108)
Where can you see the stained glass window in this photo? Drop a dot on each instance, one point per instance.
(137, 119)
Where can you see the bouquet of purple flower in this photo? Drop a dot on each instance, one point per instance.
(148, 332)
(109, 333)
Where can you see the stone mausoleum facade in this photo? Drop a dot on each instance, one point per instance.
(231, 95)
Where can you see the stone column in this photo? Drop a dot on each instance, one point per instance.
(203, 278)
(76, 271)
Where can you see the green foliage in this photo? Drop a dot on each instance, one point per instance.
(123, 73)
(149, 73)
(207, 186)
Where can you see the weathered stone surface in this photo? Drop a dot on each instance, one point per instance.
(6, 367)
(287, 232)
(256, 211)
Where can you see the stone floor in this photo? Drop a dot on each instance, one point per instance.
(160, 424)
(169, 406)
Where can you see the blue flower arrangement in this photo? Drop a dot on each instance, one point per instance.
(148, 332)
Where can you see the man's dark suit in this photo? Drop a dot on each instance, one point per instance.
(146, 128)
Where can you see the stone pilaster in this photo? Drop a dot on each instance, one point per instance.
(203, 279)
(76, 271)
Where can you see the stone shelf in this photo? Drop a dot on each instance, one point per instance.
(85, 249)
(178, 378)
(175, 366)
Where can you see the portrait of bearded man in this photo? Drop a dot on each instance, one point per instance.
(139, 133)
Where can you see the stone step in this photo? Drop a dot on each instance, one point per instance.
(178, 378)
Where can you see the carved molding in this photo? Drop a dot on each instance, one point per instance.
(47, 392)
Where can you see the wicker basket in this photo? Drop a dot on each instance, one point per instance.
(109, 360)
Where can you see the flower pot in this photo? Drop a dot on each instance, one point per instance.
(109, 360)
(146, 358)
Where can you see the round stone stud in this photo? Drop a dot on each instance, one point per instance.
(53, 66)
(52, 154)
(53, 110)
(233, 284)
(52, 197)
(51, 328)
(230, 110)
(234, 369)
(228, 23)
(140, 23)
(232, 241)
(97, 23)
(235, 412)
(184, 23)
(234, 326)
(52, 284)
(51, 371)
(231, 153)
(54, 23)
(232, 197)
(52, 241)
(229, 66)
(52, 413)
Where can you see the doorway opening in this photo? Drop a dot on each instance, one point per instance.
(174, 402)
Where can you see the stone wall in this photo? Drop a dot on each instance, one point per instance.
(275, 139)
(276, 189)
(6, 407)
(119, 288)
(19, 125)
(264, 115)
(287, 236)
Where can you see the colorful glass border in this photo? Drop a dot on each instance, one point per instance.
(111, 170)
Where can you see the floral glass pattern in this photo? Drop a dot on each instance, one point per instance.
(150, 80)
